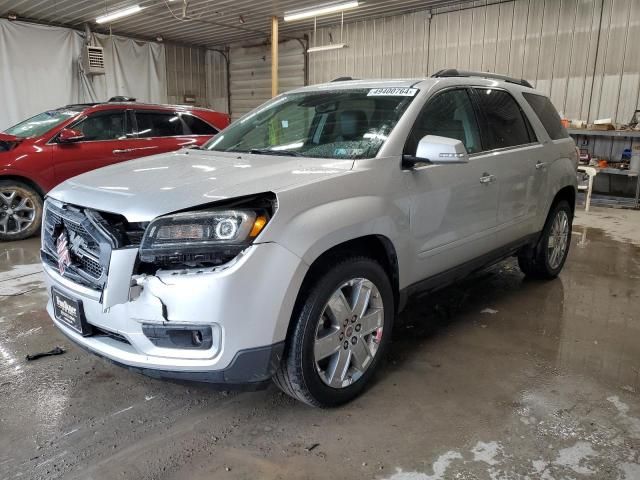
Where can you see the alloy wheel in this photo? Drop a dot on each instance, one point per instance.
(349, 333)
(17, 212)
(558, 239)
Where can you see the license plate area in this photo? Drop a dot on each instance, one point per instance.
(69, 311)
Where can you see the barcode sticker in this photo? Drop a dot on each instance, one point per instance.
(392, 92)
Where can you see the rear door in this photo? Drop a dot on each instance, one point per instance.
(558, 145)
(453, 207)
(107, 140)
(509, 137)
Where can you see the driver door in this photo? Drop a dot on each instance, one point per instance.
(107, 140)
(454, 207)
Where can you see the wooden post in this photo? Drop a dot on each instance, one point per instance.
(274, 56)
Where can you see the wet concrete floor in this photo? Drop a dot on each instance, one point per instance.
(493, 378)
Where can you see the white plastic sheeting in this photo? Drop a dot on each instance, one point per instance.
(36, 69)
(133, 68)
(39, 70)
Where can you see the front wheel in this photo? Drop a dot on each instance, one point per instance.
(342, 328)
(20, 211)
(547, 258)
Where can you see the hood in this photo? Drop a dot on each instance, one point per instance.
(146, 188)
(5, 137)
(8, 142)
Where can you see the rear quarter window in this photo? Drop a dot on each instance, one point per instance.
(195, 126)
(547, 114)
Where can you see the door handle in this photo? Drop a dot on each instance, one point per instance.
(486, 178)
(540, 165)
(123, 150)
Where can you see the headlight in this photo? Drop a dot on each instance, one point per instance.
(206, 237)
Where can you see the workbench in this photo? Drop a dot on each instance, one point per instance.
(609, 179)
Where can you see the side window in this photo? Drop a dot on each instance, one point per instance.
(195, 126)
(108, 125)
(449, 114)
(506, 125)
(158, 124)
(547, 114)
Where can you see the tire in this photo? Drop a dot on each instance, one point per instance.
(310, 381)
(541, 262)
(25, 220)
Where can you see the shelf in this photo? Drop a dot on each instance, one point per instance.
(604, 133)
(616, 171)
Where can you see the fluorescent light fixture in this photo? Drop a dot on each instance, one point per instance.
(323, 48)
(323, 9)
(125, 12)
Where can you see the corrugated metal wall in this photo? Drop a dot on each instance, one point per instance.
(186, 74)
(216, 81)
(583, 53)
(251, 73)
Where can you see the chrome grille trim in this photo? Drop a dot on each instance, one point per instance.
(90, 247)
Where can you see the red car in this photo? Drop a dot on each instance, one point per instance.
(41, 152)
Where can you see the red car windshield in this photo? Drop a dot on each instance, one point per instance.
(42, 123)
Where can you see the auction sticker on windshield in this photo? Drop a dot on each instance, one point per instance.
(392, 92)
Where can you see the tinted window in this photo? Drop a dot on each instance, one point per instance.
(547, 114)
(449, 114)
(195, 126)
(103, 126)
(159, 124)
(505, 125)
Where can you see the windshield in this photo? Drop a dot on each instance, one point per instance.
(41, 123)
(347, 124)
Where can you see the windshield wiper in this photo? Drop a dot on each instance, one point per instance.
(265, 151)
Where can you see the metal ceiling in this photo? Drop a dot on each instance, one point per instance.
(208, 23)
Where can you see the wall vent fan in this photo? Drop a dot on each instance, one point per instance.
(93, 60)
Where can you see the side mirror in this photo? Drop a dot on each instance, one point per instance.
(69, 135)
(435, 150)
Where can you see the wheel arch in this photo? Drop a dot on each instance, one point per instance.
(27, 181)
(567, 193)
(375, 246)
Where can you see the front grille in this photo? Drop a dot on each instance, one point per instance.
(89, 246)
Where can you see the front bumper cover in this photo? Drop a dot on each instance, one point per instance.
(248, 304)
(251, 369)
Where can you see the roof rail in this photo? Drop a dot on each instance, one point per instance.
(342, 79)
(452, 72)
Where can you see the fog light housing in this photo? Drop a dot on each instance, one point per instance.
(192, 337)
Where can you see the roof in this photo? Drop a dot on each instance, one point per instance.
(456, 78)
(356, 83)
(159, 106)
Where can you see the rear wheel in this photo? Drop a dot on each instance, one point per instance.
(20, 210)
(342, 328)
(547, 258)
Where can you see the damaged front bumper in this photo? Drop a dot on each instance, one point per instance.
(245, 309)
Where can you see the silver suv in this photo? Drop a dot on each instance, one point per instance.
(285, 247)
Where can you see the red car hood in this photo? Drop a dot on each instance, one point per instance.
(4, 137)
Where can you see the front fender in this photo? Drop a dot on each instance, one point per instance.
(310, 233)
(42, 182)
